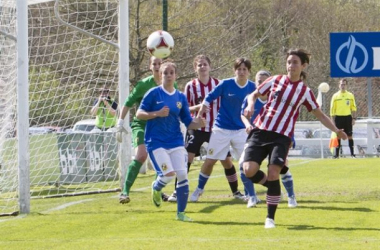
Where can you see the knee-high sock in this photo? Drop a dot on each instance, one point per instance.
(130, 177)
(248, 184)
(161, 182)
(337, 149)
(202, 180)
(258, 177)
(273, 197)
(287, 181)
(351, 146)
(232, 178)
(176, 179)
(182, 191)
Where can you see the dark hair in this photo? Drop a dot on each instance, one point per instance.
(343, 80)
(304, 57)
(200, 57)
(242, 60)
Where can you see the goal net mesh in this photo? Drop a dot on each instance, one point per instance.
(72, 57)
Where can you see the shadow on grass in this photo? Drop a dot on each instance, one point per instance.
(229, 223)
(217, 204)
(329, 208)
(310, 227)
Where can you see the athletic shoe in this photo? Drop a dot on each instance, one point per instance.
(197, 193)
(123, 199)
(165, 197)
(292, 201)
(353, 156)
(335, 157)
(182, 217)
(156, 196)
(258, 200)
(252, 201)
(173, 197)
(269, 223)
(238, 195)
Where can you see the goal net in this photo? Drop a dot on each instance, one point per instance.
(73, 56)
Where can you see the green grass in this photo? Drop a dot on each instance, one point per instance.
(339, 203)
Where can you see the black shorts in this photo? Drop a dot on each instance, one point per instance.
(345, 123)
(262, 143)
(195, 139)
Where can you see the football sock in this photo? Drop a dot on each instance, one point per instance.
(176, 180)
(273, 197)
(337, 149)
(182, 195)
(202, 180)
(161, 182)
(232, 178)
(249, 188)
(130, 177)
(287, 181)
(259, 176)
(351, 146)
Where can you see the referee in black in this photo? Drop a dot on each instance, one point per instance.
(343, 114)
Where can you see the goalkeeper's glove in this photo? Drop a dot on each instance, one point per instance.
(120, 130)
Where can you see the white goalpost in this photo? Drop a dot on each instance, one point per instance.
(74, 49)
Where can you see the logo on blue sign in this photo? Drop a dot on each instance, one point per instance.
(351, 64)
(355, 54)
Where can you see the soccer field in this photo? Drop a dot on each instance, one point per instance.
(339, 203)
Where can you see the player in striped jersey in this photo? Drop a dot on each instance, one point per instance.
(228, 130)
(164, 107)
(195, 91)
(286, 175)
(275, 125)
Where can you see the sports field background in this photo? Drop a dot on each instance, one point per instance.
(339, 203)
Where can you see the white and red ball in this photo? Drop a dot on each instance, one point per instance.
(160, 44)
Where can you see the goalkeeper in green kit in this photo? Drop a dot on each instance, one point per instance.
(138, 127)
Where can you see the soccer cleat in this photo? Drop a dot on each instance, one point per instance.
(269, 223)
(335, 157)
(156, 196)
(165, 197)
(258, 200)
(123, 199)
(238, 195)
(182, 217)
(292, 201)
(353, 156)
(252, 201)
(195, 196)
(173, 197)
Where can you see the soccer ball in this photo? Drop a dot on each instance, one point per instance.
(324, 87)
(160, 44)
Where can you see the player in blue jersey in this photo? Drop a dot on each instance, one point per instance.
(228, 130)
(164, 107)
(286, 176)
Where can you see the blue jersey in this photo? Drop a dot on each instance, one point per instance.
(259, 104)
(165, 132)
(232, 96)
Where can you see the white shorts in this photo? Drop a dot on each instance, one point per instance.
(169, 160)
(224, 140)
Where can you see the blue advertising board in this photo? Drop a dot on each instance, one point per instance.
(355, 54)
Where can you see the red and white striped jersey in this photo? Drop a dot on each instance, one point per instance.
(195, 92)
(285, 98)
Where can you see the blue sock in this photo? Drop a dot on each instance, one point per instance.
(249, 188)
(202, 180)
(161, 182)
(287, 181)
(182, 195)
